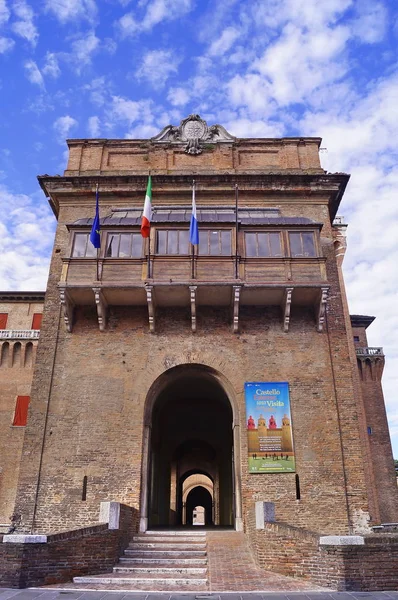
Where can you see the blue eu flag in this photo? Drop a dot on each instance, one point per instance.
(95, 237)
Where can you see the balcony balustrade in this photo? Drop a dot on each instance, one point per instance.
(19, 334)
(173, 281)
(369, 352)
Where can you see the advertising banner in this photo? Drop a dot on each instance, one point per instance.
(269, 428)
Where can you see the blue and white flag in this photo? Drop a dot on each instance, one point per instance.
(95, 237)
(193, 228)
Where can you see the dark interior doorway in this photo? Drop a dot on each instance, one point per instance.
(199, 498)
(191, 434)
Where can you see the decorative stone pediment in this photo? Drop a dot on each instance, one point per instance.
(193, 132)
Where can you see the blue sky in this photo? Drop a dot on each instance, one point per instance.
(265, 68)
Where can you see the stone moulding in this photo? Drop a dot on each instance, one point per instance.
(193, 132)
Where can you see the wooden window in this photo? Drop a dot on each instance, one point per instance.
(36, 321)
(172, 241)
(124, 245)
(82, 247)
(302, 244)
(21, 411)
(215, 242)
(3, 320)
(263, 244)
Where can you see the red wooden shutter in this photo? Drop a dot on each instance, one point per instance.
(21, 411)
(3, 320)
(36, 321)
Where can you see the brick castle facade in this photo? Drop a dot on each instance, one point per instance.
(144, 350)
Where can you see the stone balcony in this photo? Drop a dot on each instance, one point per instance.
(19, 334)
(369, 352)
(178, 281)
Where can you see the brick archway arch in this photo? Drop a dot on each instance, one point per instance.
(158, 386)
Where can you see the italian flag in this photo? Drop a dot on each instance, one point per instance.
(147, 213)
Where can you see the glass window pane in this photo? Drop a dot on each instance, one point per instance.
(250, 239)
(203, 242)
(183, 242)
(226, 249)
(113, 245)
(275, 244)
(172, 242)
(308, 244)
(162, 239)
(90, 250)
(214, 242)
(137, 245)
(79, 246)
(263, 249)
(125, 244)
(295, 244)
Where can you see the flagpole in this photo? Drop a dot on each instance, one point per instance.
(193, 246)
(236, 233)
(149, 245)
(98, 249)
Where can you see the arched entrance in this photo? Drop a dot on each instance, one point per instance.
(190, 432)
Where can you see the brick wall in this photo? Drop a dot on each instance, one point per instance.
(296, 552)
(90, 550)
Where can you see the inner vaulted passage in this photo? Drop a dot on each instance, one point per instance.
(190, 450)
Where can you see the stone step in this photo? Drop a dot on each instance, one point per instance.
(151, 553)
(125, 561)
(168, 538)
(176, 533)
(142, 583)
(155, 570)
(168, 546)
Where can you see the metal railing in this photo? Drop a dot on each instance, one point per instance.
(19, 334)
(369, 351)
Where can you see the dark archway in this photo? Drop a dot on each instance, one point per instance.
(199, 496)
(191, 432)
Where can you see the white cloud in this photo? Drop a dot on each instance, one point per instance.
(62, 127)
(157, 66)
(157, 11)
(371, 21)
(6, 44)
(51, 66)
(24, 26)
(130, 111)
(98, 89)
(4, 12)
(26, 236)
(71, 10)
(93, 125)
(83, 48)
(224, 42)
(178, 96)
(33, 73)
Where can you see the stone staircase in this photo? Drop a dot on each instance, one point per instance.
(158, 561)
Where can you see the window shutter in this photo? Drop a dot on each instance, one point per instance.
(3, 320)
(21, 411)
(36, 321)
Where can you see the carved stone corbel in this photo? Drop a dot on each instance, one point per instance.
(67, 306)
(321, 310)
(151, 307)
(236, 300)
(192, 293)
(287, 303)
(102, 308)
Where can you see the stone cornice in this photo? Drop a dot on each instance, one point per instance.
(22, 296)
(276, 183)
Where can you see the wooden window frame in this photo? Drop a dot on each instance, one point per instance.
(119, 233)
(301, 231)
(86, 233)
(169, 229)
(266, 231)
(219, 231)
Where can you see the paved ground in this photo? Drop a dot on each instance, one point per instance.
(65, 594)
